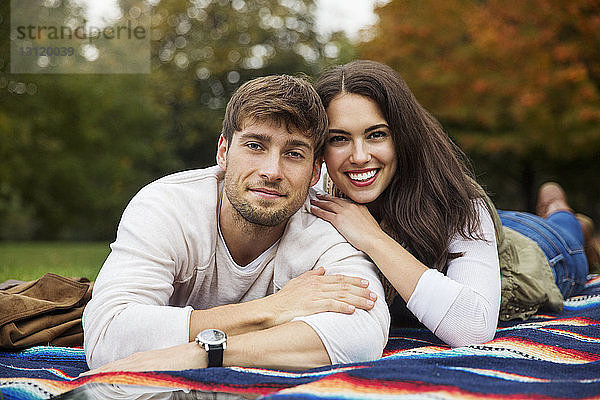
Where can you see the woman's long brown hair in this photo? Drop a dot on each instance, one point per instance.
(430, 198)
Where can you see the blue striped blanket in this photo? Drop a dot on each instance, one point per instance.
(548, 356)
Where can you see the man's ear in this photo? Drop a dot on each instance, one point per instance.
(316, 171)
(222, 153)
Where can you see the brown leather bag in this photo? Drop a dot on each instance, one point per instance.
(46, 311)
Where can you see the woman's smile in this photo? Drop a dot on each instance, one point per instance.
(363, 178)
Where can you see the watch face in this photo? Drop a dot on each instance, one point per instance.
(213, 336)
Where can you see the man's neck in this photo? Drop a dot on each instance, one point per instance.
(245, 240)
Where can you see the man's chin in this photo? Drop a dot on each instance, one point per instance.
(265, 221)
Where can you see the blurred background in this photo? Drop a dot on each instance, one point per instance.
(518, 88)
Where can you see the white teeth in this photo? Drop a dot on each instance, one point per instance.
(362, 176)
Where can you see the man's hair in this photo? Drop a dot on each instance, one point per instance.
(280, 98)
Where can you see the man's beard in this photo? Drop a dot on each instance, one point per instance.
(259, 216)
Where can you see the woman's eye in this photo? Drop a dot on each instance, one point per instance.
(337, 139)
(378, 135)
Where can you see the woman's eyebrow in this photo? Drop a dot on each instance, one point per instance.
(378, 126)
(337, 131)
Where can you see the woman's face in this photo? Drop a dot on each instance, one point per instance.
(359, 152)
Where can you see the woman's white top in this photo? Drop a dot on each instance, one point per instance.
(462, 307)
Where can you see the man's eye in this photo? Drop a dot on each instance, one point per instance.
(295, 154)
(253, 146)
(337, 139)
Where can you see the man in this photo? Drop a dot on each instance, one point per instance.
(234, 250)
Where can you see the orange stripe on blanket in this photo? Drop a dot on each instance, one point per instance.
(342, 385)
(593, 281)
(576, 321)
(562, 332)
(156, 379)
(540, 351)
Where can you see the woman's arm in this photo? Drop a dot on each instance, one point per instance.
(460, 307)
(469, 293)
(357, 225)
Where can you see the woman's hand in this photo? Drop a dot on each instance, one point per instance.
(352, 220)
(314, 292)
(184, 356)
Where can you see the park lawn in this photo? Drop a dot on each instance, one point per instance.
(30, 260)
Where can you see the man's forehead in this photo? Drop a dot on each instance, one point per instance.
(292, 135)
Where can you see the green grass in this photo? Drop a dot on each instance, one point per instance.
(30, 260)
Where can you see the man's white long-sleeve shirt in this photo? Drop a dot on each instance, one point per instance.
(167, 260)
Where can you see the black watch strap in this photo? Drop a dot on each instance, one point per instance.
(215, 355)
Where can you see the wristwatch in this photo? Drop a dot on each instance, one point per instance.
(214, 342)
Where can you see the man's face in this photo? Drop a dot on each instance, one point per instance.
(268, 171)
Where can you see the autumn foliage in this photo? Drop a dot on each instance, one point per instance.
(519, 77)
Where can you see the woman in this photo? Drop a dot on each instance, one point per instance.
(413, 206)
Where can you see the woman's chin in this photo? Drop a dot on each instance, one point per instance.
(361, 198)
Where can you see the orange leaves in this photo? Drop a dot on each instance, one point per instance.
(530, 67)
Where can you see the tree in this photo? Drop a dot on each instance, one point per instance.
(76, 147)
(211, 47)
(516, 82)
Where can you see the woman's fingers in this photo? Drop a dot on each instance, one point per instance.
(350, 290)
(345, 280)
(327, 204)
(313, 292)
(323, 214)
(316, 271)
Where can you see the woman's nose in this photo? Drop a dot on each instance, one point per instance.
(360, 153)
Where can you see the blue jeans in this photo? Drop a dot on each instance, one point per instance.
(561, 239)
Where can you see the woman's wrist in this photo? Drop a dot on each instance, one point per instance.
(376, 242)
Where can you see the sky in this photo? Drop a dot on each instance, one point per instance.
(347, 15)
(331, 15)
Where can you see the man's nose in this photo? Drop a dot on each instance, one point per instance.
(271, 168)
(360, 153)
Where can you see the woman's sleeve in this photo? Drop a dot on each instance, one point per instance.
(462, 307)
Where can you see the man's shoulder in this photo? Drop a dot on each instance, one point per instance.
(181, 193)
(183, 183)
(305, 228)
(309, 242)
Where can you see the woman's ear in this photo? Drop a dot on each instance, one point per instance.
(222, 153)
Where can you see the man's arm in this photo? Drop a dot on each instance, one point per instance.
(127, 318)
(146, 271)
(310, 293)
(269, 348)
(362, 335)
(292, 346)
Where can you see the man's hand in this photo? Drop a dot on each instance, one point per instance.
(185, 356)
(314, 292)
(293, 346)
